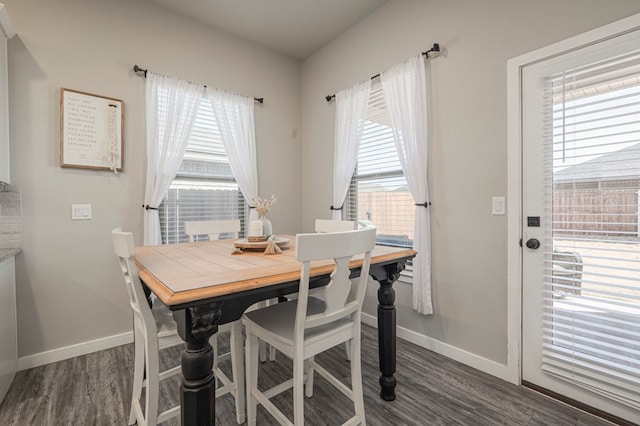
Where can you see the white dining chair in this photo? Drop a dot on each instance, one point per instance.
(195, 229)
(154, 330)
(307, 326)
(234, 385)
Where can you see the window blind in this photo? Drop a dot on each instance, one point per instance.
(204, 188)
(378, 192)
(591, 318)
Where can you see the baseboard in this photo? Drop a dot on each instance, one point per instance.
(472, 360)
(457, 354)
(60, 354)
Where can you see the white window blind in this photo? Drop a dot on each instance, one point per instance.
(591, 319)
(378, 192)
(204, 188)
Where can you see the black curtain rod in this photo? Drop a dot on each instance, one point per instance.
(434, 48)
(143, 72)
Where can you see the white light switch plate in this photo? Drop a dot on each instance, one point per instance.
(81, 212)
(498, 206)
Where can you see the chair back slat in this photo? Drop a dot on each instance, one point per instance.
(341, 247)
(211, 228)
(338, 289)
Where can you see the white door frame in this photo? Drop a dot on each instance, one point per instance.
(514, 173)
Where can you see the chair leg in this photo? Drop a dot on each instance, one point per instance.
(266, 349)
(308, 385)
(251, 353)
(347, 349)
(298, 389)
(262, 348)
(153, 379)
(272, 353)
(213, 341)
(235, 342)
(356, 378)
(272, 350)
(263, 345)
(138, 372)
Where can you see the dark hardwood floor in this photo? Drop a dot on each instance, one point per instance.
(432, 390)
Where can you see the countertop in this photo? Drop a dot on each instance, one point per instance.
(9, 252)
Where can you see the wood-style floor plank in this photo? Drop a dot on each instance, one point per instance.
(432, 390)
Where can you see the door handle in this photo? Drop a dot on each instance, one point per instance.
(533, 243)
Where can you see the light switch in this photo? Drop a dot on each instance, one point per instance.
(81, 212)
(497, 205)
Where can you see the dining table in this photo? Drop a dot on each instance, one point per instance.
(206, 284)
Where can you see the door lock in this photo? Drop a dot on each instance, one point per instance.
(533, 243)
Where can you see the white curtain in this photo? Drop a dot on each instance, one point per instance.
(235, 117)
(171, 109)
(351, 111)
(405, 93)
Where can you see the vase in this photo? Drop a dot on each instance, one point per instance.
(266, 226)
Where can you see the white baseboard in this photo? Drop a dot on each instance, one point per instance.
(60, 354)
(472, 360)
(457, 354)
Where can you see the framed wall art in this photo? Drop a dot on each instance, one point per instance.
(91, 131)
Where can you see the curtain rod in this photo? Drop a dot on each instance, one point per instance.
(435, 48)
(143, 72)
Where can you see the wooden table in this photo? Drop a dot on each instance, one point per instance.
(205, 285)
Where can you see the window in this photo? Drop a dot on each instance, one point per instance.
(379, 192)
(204, 188)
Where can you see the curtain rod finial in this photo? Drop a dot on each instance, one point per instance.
(329, 97)
(435, 49)
(139, 70)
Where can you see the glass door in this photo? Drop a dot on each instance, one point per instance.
(581, 254)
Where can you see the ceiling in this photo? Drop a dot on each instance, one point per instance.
(296, 28)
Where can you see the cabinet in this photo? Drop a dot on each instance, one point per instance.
(6, 32)
(8, 335)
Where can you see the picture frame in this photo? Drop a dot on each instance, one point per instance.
(91, 131)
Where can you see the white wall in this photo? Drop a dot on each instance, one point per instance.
(69, 287)
(468, 154)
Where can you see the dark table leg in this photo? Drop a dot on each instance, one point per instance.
(198, 390)
(386, 275)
